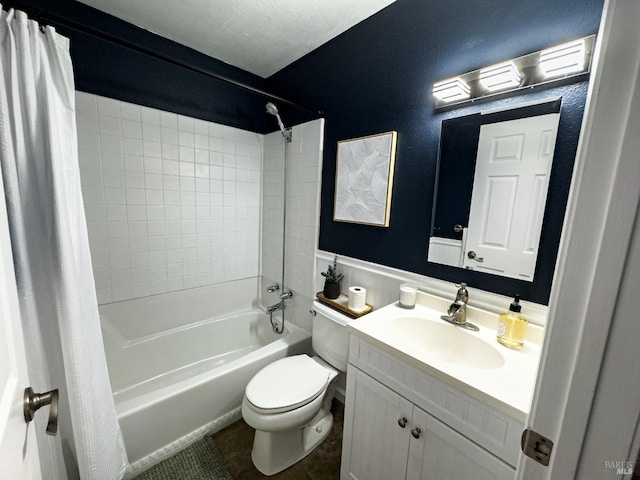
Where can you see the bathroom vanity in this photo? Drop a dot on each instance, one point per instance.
(429, 400)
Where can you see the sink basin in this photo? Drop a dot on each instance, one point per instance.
(448, 342)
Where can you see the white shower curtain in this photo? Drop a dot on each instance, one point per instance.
(39, 161)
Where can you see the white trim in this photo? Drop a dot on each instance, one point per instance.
(443, 250)
(616, 406)
(593, 251)
(446, 241)
(491, 302)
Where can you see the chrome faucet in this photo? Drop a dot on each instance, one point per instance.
(457, 312)
(275, 307)
(279, 306)
(286, 295)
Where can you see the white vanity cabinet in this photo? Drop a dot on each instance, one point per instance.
(402, 423)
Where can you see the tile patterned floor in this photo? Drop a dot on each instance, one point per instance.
(235, 442)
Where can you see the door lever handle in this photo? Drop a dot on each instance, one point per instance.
(474, 256)
(33, 402)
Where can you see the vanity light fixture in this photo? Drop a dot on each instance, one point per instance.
(500, 77)
(451, 90)
(563, 59)
(563, 63)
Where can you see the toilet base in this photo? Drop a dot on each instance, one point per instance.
(275, 451)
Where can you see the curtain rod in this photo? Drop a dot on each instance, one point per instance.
(42, 16)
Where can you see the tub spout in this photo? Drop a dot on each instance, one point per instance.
(275, 307)
(271, 310)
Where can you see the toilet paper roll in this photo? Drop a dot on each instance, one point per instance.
(357, 296)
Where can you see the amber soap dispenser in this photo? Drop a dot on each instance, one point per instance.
(512, 326)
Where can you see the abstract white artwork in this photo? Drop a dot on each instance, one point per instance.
(364, 179)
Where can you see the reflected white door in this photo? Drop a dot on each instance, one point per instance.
(509, 194)
(18, 449)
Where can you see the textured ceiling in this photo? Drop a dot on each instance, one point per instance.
(259, 36)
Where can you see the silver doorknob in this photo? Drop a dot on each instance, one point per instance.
(473, 256)
(402, 422)
(33, 402)
(416, 432)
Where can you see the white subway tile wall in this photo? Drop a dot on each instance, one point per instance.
(272, 202)
(172, 202)
(303, 207)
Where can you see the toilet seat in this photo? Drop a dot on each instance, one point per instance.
(287, 384)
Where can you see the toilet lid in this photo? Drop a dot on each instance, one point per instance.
(287, 383)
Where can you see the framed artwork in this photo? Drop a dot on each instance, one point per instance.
(364, 179)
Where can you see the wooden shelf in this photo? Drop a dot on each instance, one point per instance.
(341, 304)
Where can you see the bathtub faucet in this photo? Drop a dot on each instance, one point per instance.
(275, 307)
(274, 324)
(279, 306)
(286, 295)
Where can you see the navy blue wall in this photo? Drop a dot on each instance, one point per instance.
(113, 71)
(373, 78)
(378, 76)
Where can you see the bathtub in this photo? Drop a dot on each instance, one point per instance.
(179, 364)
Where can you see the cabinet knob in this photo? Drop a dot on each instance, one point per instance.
(416, 432)
(402, 422)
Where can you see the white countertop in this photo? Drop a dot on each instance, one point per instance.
(508, 387)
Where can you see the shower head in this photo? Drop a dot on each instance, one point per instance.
(273, 110)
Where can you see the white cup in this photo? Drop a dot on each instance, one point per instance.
(408, 294)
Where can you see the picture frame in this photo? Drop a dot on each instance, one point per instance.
(364, 179)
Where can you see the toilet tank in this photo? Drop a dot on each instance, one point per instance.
(329, 336)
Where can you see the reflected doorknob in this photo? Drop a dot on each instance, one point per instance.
(474, 256)
(34, 401)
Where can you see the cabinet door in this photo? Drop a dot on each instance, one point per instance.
(441, 453)
(375, 444)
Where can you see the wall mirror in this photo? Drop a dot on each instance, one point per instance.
(491, 189)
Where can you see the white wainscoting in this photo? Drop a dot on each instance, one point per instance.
(446, 251)
(383, 283)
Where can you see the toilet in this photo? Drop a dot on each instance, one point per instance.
(288, 402)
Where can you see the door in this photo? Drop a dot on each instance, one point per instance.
(376, 425)
(18, 449)
(439, 453)
(587, 397)
(509, 195)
